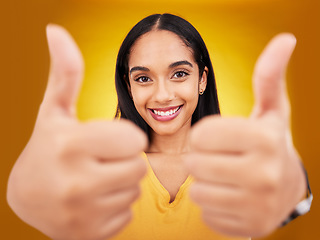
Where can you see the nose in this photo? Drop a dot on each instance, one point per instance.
(163, 92)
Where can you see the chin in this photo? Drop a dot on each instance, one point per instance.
(164, 132)
(167, 130)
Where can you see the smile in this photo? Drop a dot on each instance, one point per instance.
(165, 114)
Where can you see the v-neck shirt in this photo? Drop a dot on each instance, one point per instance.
(155, 218)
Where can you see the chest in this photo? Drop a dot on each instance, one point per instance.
(170, 172)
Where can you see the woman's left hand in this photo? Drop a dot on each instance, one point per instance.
(248, 174)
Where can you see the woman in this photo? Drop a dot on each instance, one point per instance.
(247, 176)
(162, 68)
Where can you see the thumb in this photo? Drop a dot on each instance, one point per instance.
(269, 78)
(66, 72)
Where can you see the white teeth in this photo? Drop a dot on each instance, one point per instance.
(167, 113)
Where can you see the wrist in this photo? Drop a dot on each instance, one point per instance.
(304, 205)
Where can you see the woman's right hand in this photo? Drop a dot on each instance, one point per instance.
(75, 180)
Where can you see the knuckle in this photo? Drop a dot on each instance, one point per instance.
(76, 215)
(269, 180)
(133, 195)
(196, 194)
(63, 145)
(128, 216)
(269, 140)
(139, 169)
(136, 194)
(207, 218)
(125, 216)
(73, 225)
(197, 164)
(193, 193)
(118, 221)
(73, 195)
(265, 75)
(72, 72)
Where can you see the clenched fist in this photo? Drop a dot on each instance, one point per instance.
(75, 180)
(248, 175)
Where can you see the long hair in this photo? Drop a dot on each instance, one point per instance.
(208, 102)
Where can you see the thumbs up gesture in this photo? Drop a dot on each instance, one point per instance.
(248, 174)
(75, 180)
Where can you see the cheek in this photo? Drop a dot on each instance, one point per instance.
(189, 92)
(139, 98)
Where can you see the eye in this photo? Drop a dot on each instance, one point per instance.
(180, 74)
(142, 79)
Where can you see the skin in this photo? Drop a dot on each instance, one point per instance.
(75, 180)
(156, 85)
(245, 168)
(160, 86)
(248, 174)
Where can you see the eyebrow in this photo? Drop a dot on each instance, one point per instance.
(172, 65)
(184, 62)
(138, 68)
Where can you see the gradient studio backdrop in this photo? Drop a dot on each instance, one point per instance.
(235, 32)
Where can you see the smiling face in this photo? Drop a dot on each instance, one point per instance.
(164, 81)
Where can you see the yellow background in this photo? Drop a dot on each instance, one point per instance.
(235, 32)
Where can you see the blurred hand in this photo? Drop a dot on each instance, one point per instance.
(75, 180)
(248, 174)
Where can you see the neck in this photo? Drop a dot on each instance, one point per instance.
(176, 143)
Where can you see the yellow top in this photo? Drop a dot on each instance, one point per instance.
(154, 218)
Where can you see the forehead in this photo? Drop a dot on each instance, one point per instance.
(159, 47)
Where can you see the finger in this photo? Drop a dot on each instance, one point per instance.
(269, 77)
(114, 225)
(66, 72)
(228, 135)
(218, 198)
(112, 177)
(108, 140)
(223, 170)
(229, 226)
(98, 181)
(96, 211)
(117, 202)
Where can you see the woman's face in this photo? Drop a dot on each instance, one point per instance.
(164, 81)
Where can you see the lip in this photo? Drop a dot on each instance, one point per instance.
(165, 118)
